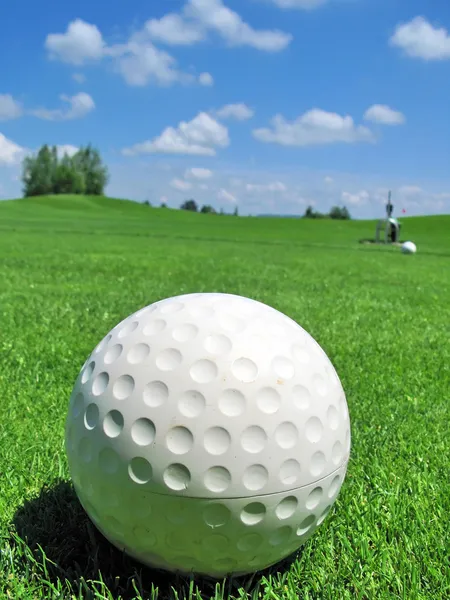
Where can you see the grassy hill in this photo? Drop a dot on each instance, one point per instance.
(72, 267)
(107, 215)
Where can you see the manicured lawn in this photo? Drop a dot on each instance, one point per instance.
(70, 269)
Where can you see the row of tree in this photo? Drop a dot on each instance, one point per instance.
(336, 212)
(206, 208)
(48, 173)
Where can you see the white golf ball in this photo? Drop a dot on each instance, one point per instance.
(208, 433)
(409, 248)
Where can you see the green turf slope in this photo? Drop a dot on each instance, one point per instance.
(72, 267)
(99, 214)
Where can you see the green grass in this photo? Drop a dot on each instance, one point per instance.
(71, 268)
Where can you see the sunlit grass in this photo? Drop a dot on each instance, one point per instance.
(69, 272)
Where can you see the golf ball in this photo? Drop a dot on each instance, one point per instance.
(409, 248)
(208, 433)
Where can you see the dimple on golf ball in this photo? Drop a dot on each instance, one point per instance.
(208, 433)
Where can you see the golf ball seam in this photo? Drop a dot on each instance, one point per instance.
(264, 531)
(179, 441)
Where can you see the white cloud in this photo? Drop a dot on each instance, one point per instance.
(198, 17)
(141, 63)
(198, 173)
(81, 42)
(78, 106)
(328, 180)
(313, 128)
(420, 39)
(200, 136)
(138, 60)
(356, 199)
(300, 4)
(229, 25)
(203, 186)
(174, 30)
(224, 196)
(180, 185)
(238, 111)
(206, 79)
(10, 153)
(9, 108)
(79, 77)
(66, 149)
(275, 186)
(380, 113)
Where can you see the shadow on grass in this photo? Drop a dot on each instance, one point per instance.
(69, 551)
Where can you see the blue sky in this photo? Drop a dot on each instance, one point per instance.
(268, 104)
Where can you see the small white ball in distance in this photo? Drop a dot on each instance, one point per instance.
(208, 433)
(409, 248)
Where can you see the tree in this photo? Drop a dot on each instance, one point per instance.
(147, 203)
(236, 212)
(208, 209)
(163, 205)
(189, 205)
(82, 173)
(67, 179)
(38, 172)
(337, 212)
(89, 163)
(310, 213)
(345, 213)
